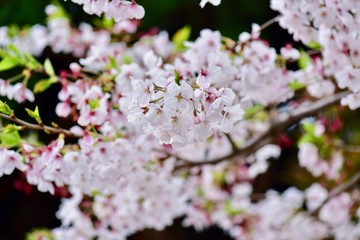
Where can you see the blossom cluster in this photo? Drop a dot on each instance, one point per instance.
(117, 9)
(145, 110)
(335, 26)
(18, 92)
(136, 182)
(213, 2)
(223, 195)
(61, 37)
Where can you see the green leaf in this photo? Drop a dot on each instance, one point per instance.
(314, 45)
(95, 192)
(8, 63)
(10, 139)
(59, 12)
(310, 136)
(127, 59)
(3, 53)
(304, 59)
(307, 138)
(296, 85)
(31, 62)
(177, 77)
(209, 206)
(112, 64)
(107, 22)
(16, 52)
(11, 128)
(44, 84)
(218, 177)
(181, 36)
(250, 112)
(49, 68)
(34, 114)
(308, 127)
(200, 192)
(94, 104)
(4, 108)
(231, 211)
(13, 30)
(37, 234)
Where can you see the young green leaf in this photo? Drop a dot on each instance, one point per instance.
(304, 59)
(31, 62)
(34, 114)
(95, 193)
(8, 63)
(308, 127)
(4, 108)
(10, 139)
(310, 135)
(49, 68)
(37, 234)
(127, 59)
(231, 210)
(44, 84)
(58, 12)
(16, 52)
(107, 22)
(314, 45)
(177, 77)
(11, 128)
(307, 138)
(252, 111)
(218, 177)
(181, 36)
(296, 85)
(112, 63)
(94, 104)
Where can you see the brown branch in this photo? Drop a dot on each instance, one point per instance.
(232, 45)
(275, 129)
(336, 191)
(349, 148)
(231, 141)
(46, 129)
(269, 23)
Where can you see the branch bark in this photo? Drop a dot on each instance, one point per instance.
(269, 23)
(336, 191)
(275, 128)
(46, 129)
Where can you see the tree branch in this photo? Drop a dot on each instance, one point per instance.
(276, 128)
(231, 141)
(46, 129)
(349, 148)
(269, 23)
(337, 190)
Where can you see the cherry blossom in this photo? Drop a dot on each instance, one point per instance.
(213, 2)
(156, 132)
(18, 92)
(9, 161)
(117, 9)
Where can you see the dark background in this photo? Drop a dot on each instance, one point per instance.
(22, 207)
(231, 17)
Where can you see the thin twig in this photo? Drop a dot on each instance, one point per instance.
(336, 191)
(275, 129)
(46, 129)
(269, 23)
(231, 141)
(313, 52)
(350, 148)
(232, 45)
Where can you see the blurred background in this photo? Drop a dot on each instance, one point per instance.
(22, 207)
(231, 17)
